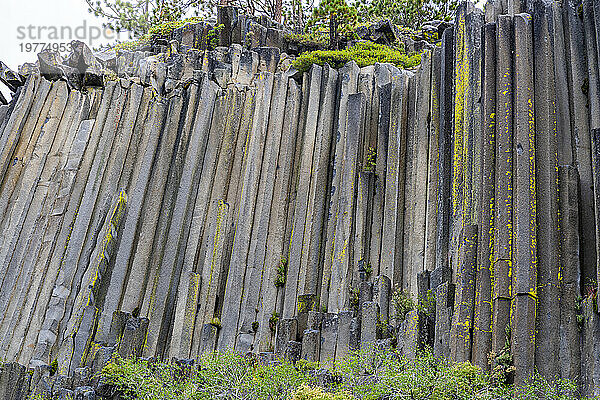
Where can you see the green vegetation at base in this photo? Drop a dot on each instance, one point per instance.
(363, 53)
(358, 376)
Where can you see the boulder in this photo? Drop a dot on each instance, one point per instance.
(108, 58)
(82, 57)
(10, 78)
(85, 393)
(51, 64)
(29, 69)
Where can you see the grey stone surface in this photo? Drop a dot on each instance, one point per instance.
(570, 351)
(524, 268)
(243, 228)
(382, 295)
(547, 188)
(292, 287)
(462, 322)
(390, 263)
(311, 344)
(329, 337)
(312, 250)
(482, 330)
(348, 80)
(286, 331)
(369, 318)
(341, 272)
(444, 205)
(444, 309)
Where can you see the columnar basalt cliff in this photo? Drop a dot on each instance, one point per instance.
(216, 199)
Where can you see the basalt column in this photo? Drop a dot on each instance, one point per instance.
(482, 335)
(547, 194)
(503, 222)
(524, 271)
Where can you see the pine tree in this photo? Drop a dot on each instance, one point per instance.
(334, 17)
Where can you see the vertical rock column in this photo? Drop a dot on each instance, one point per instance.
(443, 269)
(433, 163)
(189, 299)
(65, 211)
(341, 271)
(71, 269)
(237, 274)
(29, 195)
(312, 252)
(382, 75)
(393, 212)
(410, 160)
(260, 275)
(133, 298)
(30, 241)
(503, 222)
(473, 116)
(524, 277)
(461, 338)
(166, 258)
(20, 327)
(461, 87)
(591, 19)
(569, 348)
(82, 323)
(546, 143)
(418, 206)
(275, 261)
(482, 335)
(124, 253)
(292, 288)
(348, 84)
(577, 71)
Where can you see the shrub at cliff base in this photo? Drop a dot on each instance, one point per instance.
(388, 376)
(363, 53)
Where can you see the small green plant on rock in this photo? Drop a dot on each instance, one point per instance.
(427, 304)
(281, 276)
(53, 367)
(369, 270)
(248, 40)
(216, 322)
(354, 298)
(305, 365)
(371, 160)
(402, 304)
(502, 371)
(273, 321)
(305, 392)
(212, 37)
(255, 326)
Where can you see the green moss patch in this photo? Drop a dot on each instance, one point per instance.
(363, 53)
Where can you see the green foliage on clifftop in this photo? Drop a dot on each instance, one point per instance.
(359, 376)
(363, 53)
